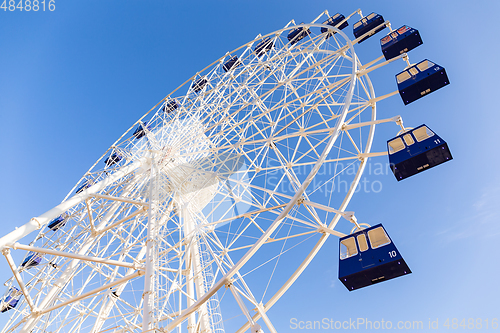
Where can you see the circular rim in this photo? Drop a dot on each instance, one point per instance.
(333, 136)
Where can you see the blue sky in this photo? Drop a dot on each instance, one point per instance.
(73, 80)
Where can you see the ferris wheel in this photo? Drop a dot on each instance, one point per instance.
(207, 210)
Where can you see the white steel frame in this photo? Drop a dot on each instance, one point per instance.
(169, 211)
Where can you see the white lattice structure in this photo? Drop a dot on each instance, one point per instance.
(218, 207)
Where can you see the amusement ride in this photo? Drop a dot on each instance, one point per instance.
(213, 203)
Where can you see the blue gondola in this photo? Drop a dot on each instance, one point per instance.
(199, 84)
(366, 24)
(400, 41)
(170, 106)
(420, 80)
(369, 256)
(232, 62)
(416, 151)
(264, 46)
(333, 21)
(57, 223)
(140, 130)
(113, 159)
(10, 299)
(32, 259)
(84, 186)
(298, 34)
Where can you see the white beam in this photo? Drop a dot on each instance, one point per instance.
(6, 253)
(18, 246)
(373, 122)
(130, 201)
(38, 222)
(92, 292)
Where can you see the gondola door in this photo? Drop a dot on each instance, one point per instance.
(412, 147)
(366, 259)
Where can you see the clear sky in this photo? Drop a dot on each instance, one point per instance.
(73, 80)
